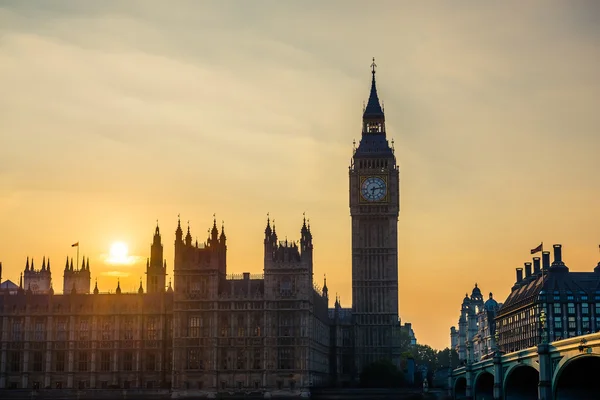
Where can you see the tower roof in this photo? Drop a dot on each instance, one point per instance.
(373, 109)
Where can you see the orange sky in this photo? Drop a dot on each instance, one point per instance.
(114, 115)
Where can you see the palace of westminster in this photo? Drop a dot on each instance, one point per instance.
(210, 331)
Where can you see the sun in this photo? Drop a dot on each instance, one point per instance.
(119, 253)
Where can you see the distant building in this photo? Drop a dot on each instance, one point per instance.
(569, 300)
(474, 339)
(408, 330)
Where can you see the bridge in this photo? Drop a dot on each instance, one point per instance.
(563, 370)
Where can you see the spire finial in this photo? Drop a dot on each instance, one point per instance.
(373, 66)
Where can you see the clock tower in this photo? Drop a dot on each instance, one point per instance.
(374, 208)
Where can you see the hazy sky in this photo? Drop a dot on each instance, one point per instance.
(114, 114)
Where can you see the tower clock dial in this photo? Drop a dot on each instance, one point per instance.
(373, 189)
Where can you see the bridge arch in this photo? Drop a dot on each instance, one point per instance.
(521, 382)
(460, 388)
(484, 386)
(577, 377)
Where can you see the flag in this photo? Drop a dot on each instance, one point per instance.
(75, 244)
(538, 249)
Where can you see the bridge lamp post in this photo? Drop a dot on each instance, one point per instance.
(543, 322)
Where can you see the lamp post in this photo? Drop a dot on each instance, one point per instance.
(497, 340)
(543, 323)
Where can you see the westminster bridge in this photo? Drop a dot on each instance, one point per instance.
(561, 370)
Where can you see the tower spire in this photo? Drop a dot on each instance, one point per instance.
(373, 107)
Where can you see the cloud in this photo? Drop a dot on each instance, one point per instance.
(118, 274)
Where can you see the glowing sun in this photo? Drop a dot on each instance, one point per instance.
(119, 253)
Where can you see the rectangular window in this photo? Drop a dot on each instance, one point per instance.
(585, 324)
(84, 332)
(557, 309)
(557, 323)
(585, 309)
(151, 331)
(150, 362)
(105, 361)
(15, 361)
(127, 361)
(194, 327)
(83, 361)
(572, 323)
(257, 358)
(193, 358)
(39, 333)
(59, 363)
(128, 328)
(37, 361)
(61, 330)
(571, 308)
(106, 332)
(17, 330)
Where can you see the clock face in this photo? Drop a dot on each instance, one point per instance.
(373, 189)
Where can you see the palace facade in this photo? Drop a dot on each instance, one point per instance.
(211, 331)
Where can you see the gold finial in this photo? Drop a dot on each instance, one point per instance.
(373, 66)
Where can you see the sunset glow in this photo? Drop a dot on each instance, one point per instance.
(119, 254)
(117, 114)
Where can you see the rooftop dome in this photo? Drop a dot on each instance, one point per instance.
(491, 304)
(476, 292)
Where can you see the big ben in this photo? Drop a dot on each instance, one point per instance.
(374, 209)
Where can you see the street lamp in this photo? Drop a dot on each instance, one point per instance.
(543, 322)
(497, 340)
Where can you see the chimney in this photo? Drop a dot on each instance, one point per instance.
(545, 260)
(519, 275)
(536, 265)
(527, 269)
(557, 254)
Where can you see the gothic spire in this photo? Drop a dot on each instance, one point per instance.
(268, 228)
(141, 289)
(67, 264)
(214, 232)
(48, 265)
(27, 264)
(118, 291)
(222, 236)
(87, 264)
(373, 108)
(96, 291)
(44, 263)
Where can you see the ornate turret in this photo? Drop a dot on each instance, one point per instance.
(178, 232)
(38, 282)
(170, 288)
(96, 291)
(214, 232)
(156, 273)
(188, 237)
(77, 280)
(118, 290)
(222, 238)
(141, 289)
(325, 290)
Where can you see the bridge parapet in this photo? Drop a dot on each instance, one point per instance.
(556, 357)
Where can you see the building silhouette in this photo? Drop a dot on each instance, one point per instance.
(374, 208)
(569, 302)
(209, 331)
